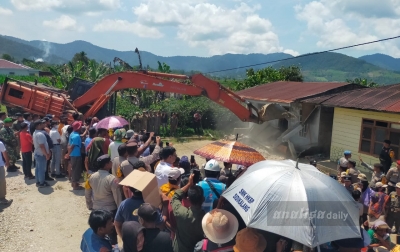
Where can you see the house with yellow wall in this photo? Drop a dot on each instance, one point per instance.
(362, 120)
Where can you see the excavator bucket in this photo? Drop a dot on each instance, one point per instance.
(273, 111)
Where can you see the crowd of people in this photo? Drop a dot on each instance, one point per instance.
(157, 122)
(193, 216)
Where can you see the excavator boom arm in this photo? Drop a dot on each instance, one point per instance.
(162, 82)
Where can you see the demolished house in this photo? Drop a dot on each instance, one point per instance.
(307, 128)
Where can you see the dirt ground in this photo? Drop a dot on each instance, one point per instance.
(52, 218)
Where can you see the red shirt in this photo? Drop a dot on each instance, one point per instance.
(26, 141)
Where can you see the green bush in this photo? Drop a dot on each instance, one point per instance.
(214, 116)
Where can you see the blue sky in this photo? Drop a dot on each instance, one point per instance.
(205, 27)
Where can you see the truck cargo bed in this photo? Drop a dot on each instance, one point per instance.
(34, 99)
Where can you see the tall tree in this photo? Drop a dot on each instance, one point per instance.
(8, 57)
(81, 57)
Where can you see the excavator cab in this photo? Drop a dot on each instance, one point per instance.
(79, 86)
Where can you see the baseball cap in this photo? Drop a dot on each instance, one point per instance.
(175, 173)
(147, 212)
(379, 185)
(76, 125)
(362, 177)
(212, 165)
(18, 114)
(343, 174)
(347, 152)
(129, 134)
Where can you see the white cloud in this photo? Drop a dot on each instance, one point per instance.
(217, 28)
(125, 26)
(67, 6)
(339, 23)
(64, 23)
(5, 12)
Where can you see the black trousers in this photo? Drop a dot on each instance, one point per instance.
(197, 127)
(27, 163)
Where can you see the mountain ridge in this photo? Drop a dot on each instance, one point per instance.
(383, 60)
(379, 68)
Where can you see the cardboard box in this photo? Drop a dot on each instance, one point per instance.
(145, 182)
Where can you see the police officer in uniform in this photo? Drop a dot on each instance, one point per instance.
(102, 191)
(386, 155)
(393, 177)
(393, 215)
(347, 184)
(343, 162)
(136, 122)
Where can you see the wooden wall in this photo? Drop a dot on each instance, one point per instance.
(346, 132)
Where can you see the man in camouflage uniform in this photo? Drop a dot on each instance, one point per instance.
(393, 213)
(2, 117)
(9, 139)
(16, 126)
(157, 123)
(136, 122)
(144, 120)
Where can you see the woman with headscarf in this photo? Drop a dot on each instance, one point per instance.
(97, 147)
(132, 236)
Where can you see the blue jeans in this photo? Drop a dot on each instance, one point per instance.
(41, 165)
(56, 160)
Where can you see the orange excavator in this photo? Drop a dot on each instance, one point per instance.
(42, 100)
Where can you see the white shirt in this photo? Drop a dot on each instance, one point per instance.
(2, 149)
(55, 136)
(27, 122)
(64, 132)
(161, 173)
(113, 149)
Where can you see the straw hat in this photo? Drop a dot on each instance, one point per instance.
(220, 226)
(248, 240)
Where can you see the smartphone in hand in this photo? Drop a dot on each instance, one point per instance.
(196, 177)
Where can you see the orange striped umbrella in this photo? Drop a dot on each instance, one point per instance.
(231, 152)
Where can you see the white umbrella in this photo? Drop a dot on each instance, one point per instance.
(301, 203)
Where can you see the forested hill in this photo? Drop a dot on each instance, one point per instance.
(322, 67)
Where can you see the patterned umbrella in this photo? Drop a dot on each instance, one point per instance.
(112, 122)
(231, 152)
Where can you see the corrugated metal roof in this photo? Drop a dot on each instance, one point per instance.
(11, 65)
(287, 91)
(383, 98)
